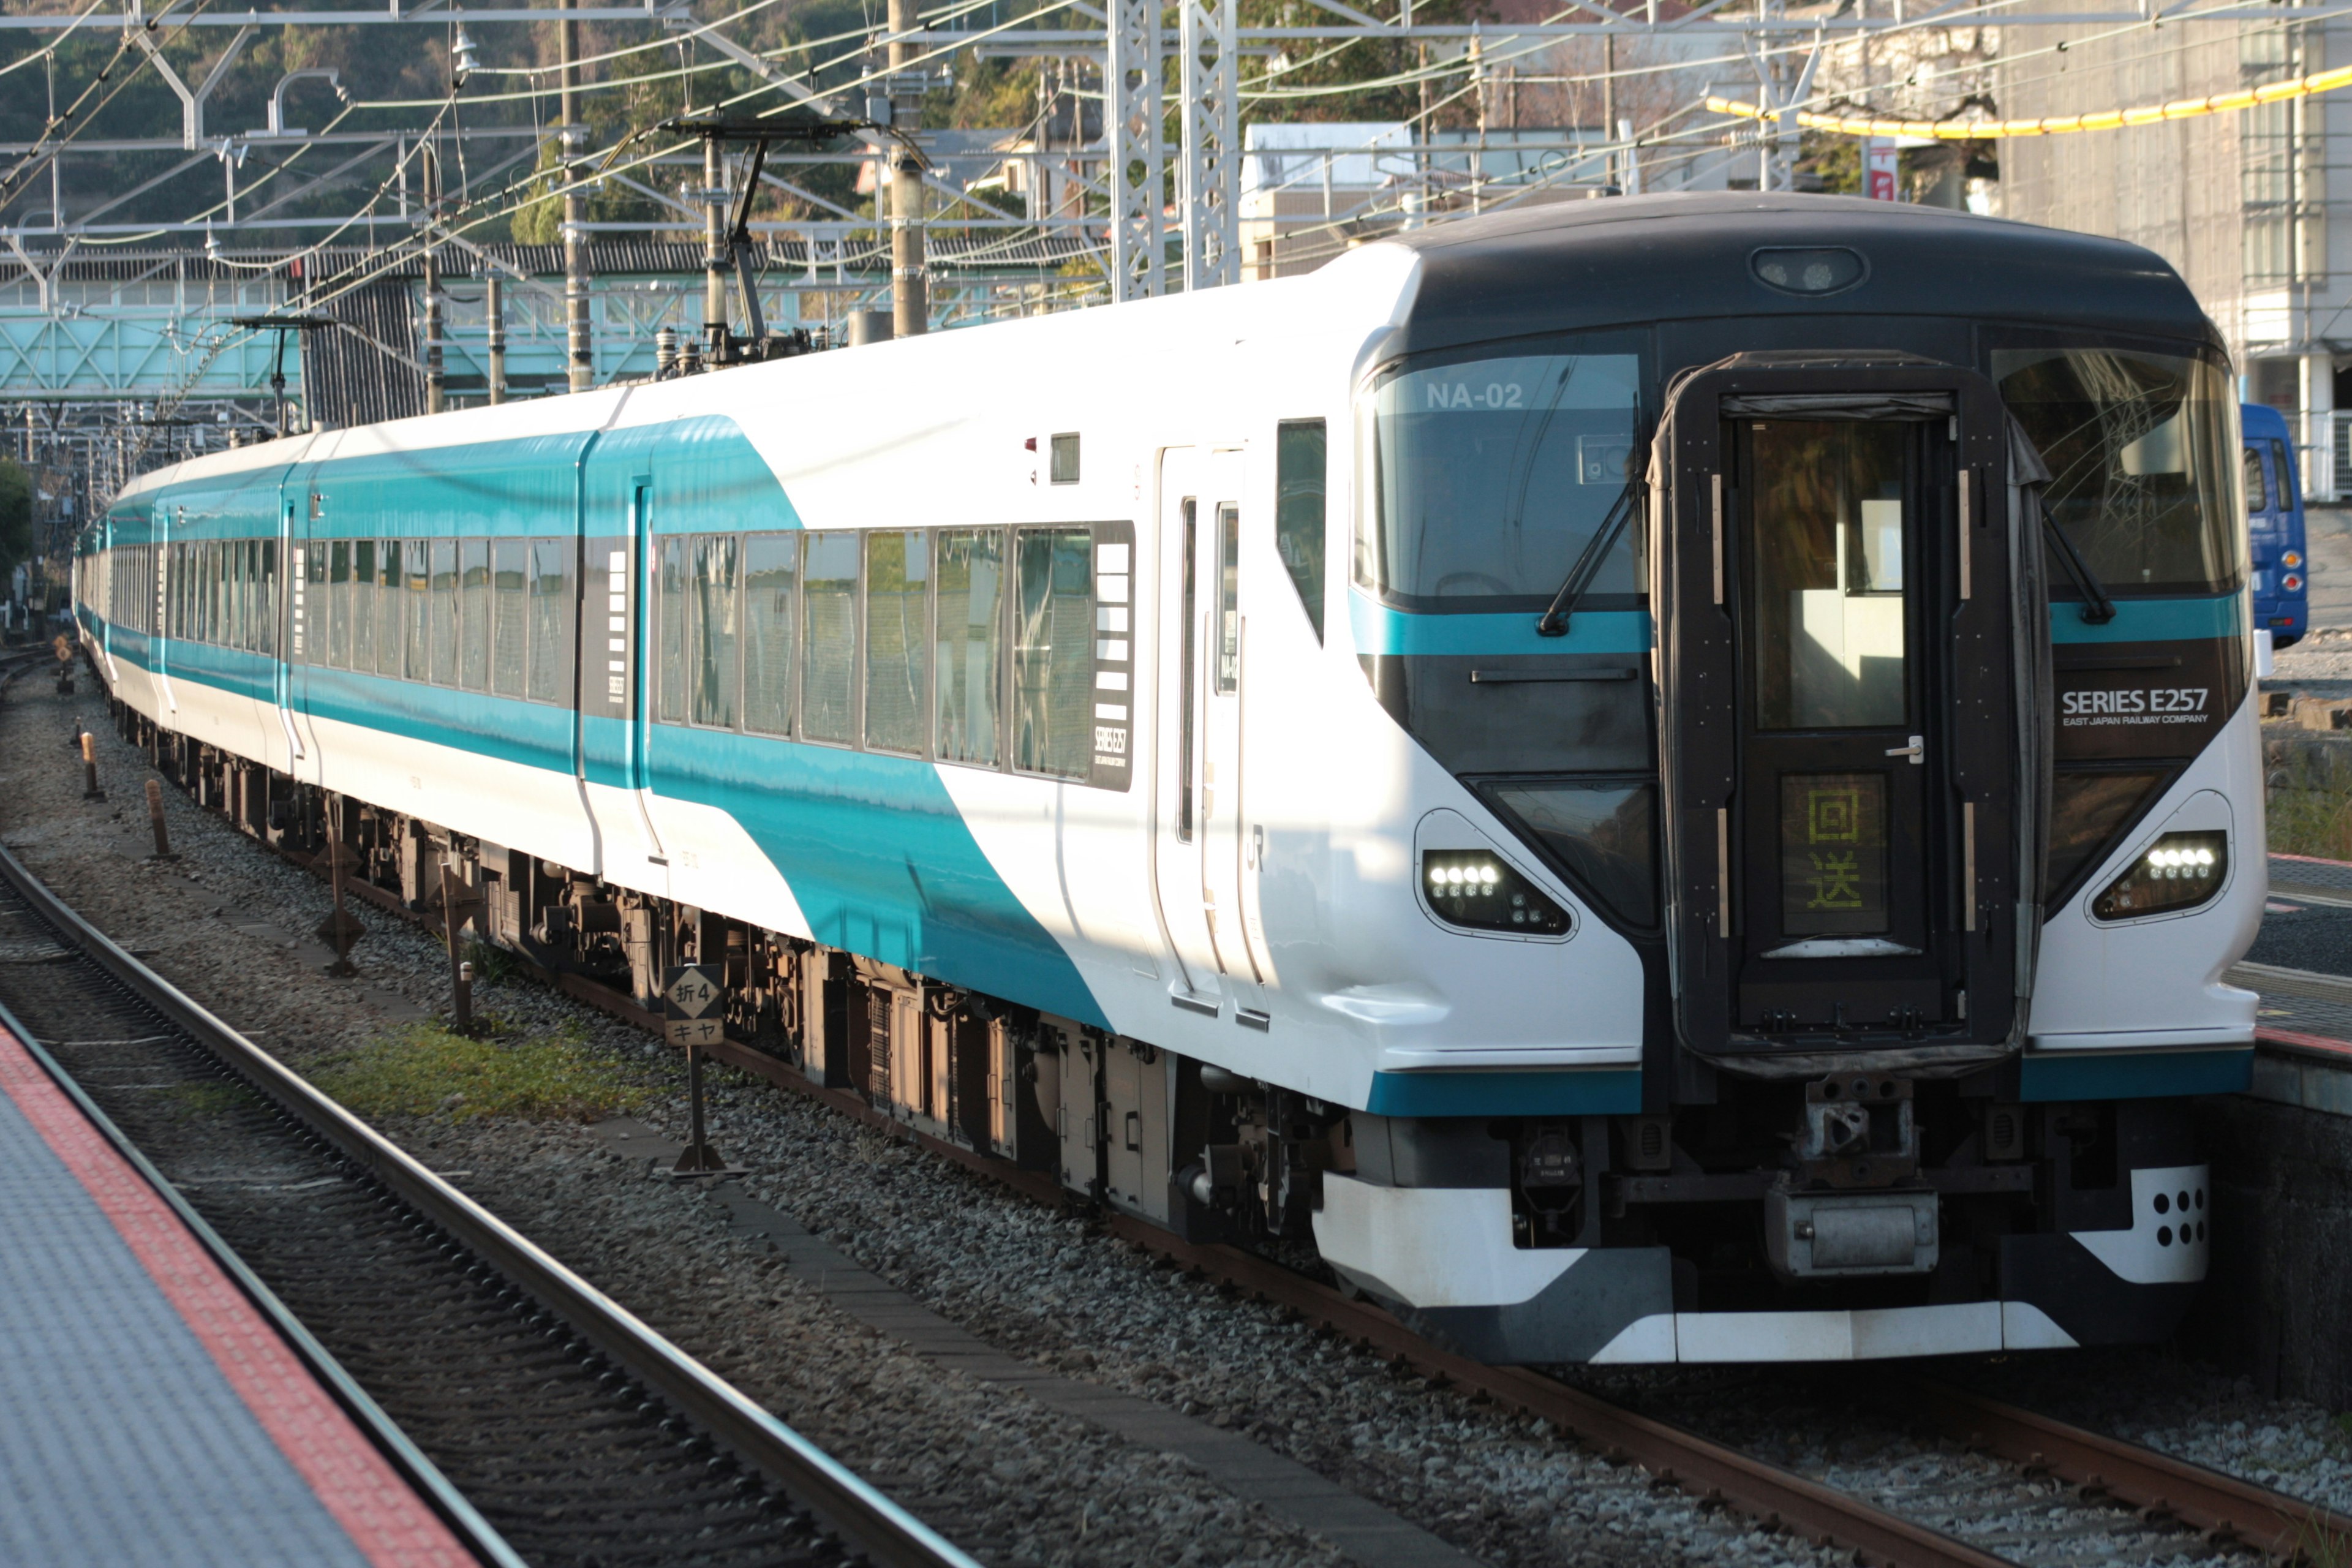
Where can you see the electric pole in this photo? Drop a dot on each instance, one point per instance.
(436, 381)
(910, 286)
(582, 368)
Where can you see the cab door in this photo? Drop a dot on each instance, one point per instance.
(1847, 733)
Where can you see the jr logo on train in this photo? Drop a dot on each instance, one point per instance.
(1660, 779)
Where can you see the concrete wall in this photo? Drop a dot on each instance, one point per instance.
(2277, 1304)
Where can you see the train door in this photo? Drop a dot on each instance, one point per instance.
(1845, 750)
(617, 503)
(1199, 837)
(293, 601)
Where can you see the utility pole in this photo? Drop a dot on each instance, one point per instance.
(435, 378)
(494, 304)
(582, 364)
(911, 295)
(717, 254)
(1608, 102)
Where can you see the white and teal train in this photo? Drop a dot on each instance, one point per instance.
(1666, 779)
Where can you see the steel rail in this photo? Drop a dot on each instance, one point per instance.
(2154, 1483)
(450, 1505)
(852, 1508)
(2159, 1486)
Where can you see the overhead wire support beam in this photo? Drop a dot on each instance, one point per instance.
(1211, 186)
(1136, 126)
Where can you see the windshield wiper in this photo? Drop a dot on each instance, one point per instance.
(1553, 622)
(2098, 608)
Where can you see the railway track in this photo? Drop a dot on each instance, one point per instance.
(2065, 1481)
(2019, 1484)
(579, 1436)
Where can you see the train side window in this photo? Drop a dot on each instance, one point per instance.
(362, 605)
(1190, 618)
(1229, 614)
(474, 614)
(254, 598)
(233, 621)
(508, 629)
(314, 601)
(717, 631)
(970, 639)
(390, 609)
(669, 594)
(339, 604)
(898, 639)
(1300, 455)
(550, 601)
(771, 571)
(829, 626)
(445, 612)
(419, 619)
(270, 598)
(1054, 652)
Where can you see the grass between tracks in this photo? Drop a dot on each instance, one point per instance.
(424, 1070)
(2311, 822)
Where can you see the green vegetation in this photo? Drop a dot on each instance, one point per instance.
(190, 1100)
(425, 1069)
(2311, 822)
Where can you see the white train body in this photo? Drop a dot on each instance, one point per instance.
(779, 669)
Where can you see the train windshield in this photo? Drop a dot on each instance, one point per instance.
(1488, 477)
(2141, 451)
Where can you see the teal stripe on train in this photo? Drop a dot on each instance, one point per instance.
(2153, 620)
(1378, 630)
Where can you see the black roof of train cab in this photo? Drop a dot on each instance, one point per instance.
(1591, 263)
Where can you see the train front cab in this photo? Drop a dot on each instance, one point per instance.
(2275, 532)
(1958, 826)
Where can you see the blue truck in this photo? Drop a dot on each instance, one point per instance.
(2275, 526)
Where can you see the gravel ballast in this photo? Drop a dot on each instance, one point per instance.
(1011, 1482)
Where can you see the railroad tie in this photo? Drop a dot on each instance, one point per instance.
(1367, 1533)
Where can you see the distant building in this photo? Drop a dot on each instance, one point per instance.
(2239, 203)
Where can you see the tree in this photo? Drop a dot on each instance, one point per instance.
(15, 514)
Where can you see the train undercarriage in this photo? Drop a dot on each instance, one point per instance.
(1847, 1193)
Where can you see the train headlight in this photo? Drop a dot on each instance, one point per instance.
(2180, 871)
(1475, 889)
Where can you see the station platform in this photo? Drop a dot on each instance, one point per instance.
(150, 1412)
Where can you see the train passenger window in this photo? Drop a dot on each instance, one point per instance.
(2138, 446)
(236, 637)
(669, 628)
(1298, 489)
(549, 677)
(970, 639)
(419, 619)
(339, 604)
(1054, 652)
(390, 609)
(717, 664)
(474, 614)
(445, 612)
(508, 629)
(314, 601)
(364, 606)
(1229, 612)
(269, 596)
(770, 570)
(898, 639)
(829, 627)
